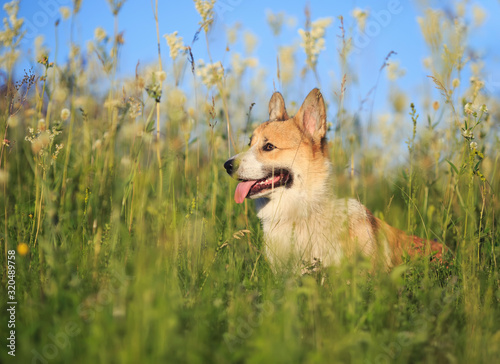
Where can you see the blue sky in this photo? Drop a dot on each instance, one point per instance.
(393, 27)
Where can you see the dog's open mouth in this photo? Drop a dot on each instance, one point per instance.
(253, 187)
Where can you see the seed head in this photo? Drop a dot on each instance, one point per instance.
(65, 113)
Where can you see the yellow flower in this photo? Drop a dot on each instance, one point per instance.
(23, 249)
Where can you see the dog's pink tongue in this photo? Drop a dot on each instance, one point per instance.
(242, 190)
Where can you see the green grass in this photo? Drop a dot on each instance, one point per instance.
(127, 264)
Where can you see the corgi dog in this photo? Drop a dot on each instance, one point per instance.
(286, 170)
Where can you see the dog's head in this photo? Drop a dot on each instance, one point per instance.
(285, 153)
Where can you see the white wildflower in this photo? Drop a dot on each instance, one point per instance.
(394, 71)
(360, 15)
(65, 12)
(90, 46)
(275, 21)
(175, 44)
(473, 145)
(239, 64)
(41, 50)
(210, 74)
(250, 41)
(41, 125)
(65, 113)
(56, 152)
(427, 62)
(100, 34)
(13, 121)
(135, 108)
(287, 63)
(478, 15)
(206, 10)
(468, 109)
(232, 33)
(125, 162)
(60, 94)
(44, 138)
(313, 41)
(74, 51)
(12, 34)
(161, 75)
(467, 133)
(97, 144)
(460, 9)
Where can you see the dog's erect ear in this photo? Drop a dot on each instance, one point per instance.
(277, 110)
(311, 117)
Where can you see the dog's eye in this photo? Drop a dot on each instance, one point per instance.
(268, 147)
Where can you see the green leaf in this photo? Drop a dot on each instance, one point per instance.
(452, 166)
(150, 127)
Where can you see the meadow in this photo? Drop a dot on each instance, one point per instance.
(129, 247)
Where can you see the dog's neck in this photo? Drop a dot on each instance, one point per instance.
(293, 205)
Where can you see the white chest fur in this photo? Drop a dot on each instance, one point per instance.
(295, 233)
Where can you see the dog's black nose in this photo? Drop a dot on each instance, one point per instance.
(229, 166)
